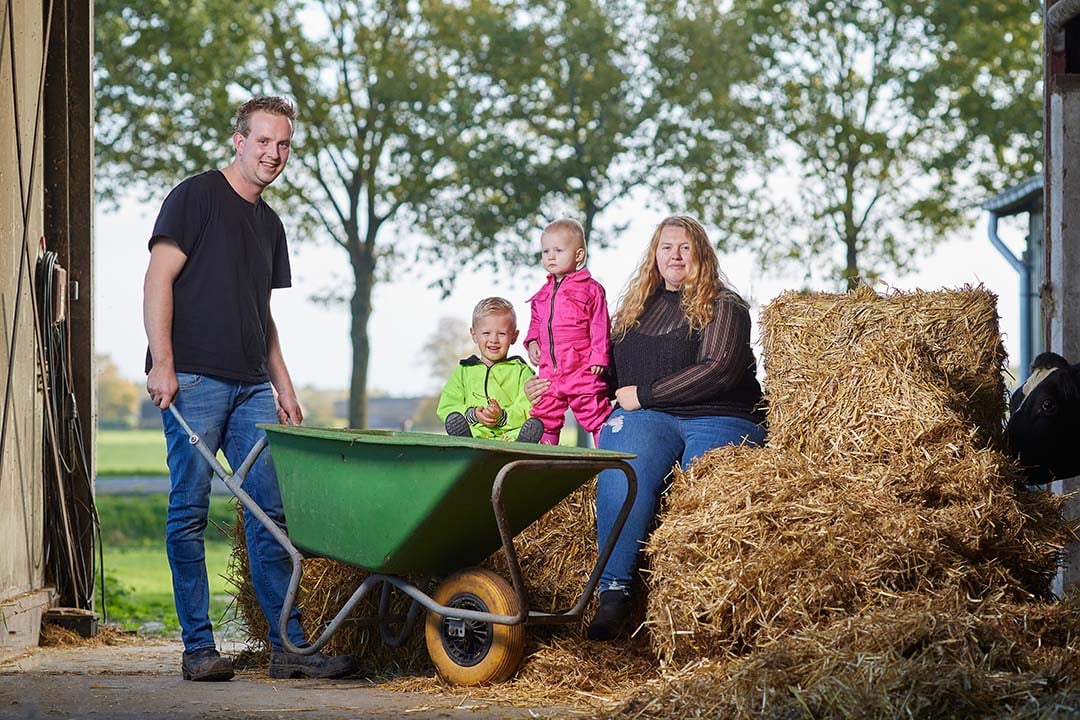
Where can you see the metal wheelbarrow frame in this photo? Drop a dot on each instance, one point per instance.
(464, 620)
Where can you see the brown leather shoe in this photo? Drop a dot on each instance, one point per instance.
(206, 665)
(326, 667)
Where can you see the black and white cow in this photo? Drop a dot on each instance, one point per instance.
(1044, 420)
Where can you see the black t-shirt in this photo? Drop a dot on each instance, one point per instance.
(236, 253)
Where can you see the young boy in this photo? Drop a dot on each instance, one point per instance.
(485, 397)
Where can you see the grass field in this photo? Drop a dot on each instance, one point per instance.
(131, 452)
(138, 582)
(138, 585)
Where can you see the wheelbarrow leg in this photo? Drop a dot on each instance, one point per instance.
(604, 553)
(396, 641)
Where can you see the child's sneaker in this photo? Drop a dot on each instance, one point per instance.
(530, 432)
(457, 425)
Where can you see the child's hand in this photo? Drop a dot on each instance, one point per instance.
(487, 417)
(534, 352)
(493, 407)
(597, 369)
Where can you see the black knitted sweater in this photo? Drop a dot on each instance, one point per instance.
(690, 374)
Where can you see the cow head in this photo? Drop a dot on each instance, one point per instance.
(1045, 420)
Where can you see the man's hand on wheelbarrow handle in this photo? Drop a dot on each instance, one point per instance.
(162, 385)
(288, 409)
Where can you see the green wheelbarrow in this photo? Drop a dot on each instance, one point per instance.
(403, 504)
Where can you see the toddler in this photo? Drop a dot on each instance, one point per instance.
(485, 396)
(568, 334)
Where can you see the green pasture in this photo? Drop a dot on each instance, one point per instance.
(138, 583)
(131, 452)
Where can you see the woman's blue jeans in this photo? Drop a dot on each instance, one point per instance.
(223, 413)
(659, 440)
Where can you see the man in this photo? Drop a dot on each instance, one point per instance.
(216, 252)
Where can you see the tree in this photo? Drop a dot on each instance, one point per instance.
(880, 119)
(167, 76)
(446, 346)
(394, 121)
(577, 100)
(117, 397)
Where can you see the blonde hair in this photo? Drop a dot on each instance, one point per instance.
(570, 227)
(705, 284)
(493, 306)
(273, 104)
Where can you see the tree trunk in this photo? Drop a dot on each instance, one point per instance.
(851, 272)
(363, 263)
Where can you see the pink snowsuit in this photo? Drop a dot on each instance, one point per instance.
(570, 322)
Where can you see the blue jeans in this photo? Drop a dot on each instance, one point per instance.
(659, 440)
(223, 413)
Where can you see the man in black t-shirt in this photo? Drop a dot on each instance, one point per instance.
(216, 252)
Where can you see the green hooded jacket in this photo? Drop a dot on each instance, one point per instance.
(473, 382)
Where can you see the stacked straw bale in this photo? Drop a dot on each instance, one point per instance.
(865, 377)
(883, 487)
(756, 543)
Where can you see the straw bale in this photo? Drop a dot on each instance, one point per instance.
(754, 543)
(869, 377)
(945, 657)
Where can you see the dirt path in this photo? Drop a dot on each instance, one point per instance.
(142, 681)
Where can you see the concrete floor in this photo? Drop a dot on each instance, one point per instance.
(142, 681)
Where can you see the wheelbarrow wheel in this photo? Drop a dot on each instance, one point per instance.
(471, 652)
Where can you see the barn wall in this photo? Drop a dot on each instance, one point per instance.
(1063, 251)
(22, 571)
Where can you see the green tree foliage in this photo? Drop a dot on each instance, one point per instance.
(393, 122)
(570, 90)
(880, 120)
(117, 397)
(393, 118)
(167, 76)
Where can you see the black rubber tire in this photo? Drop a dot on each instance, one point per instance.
(490, 653)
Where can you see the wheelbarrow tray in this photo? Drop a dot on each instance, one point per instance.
(409, 503)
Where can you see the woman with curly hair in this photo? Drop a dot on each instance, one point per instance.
(684, 374)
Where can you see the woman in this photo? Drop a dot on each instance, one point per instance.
(684, 374)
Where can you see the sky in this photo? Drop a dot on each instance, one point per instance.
(315, 337)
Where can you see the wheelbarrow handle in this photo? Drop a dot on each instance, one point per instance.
(233, 482)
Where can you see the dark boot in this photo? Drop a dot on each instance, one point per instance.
(293, 665)
(457, 425)
(206, 665)
(611, 615)
(530, 432)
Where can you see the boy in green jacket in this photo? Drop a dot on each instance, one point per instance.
(485, 396)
